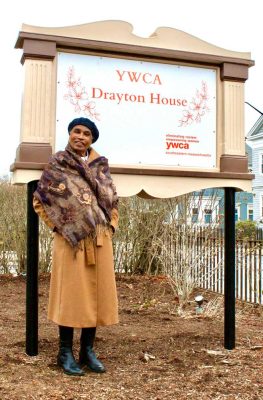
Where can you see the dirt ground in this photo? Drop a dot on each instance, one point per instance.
(152, 354)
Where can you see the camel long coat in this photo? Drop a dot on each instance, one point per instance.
(82, 292)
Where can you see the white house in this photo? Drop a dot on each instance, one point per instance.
(255, 141)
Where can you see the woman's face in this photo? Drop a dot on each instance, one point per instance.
(80, 139)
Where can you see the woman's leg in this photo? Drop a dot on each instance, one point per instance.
(87, 356)
(65, 357)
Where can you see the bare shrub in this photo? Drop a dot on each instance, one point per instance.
(45, 247)
(190, 246)
(13, 221)
(134, 243)
(12, 228)
(165, 237)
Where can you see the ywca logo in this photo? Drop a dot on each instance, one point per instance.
(173, 142)
(176, 145)
(179, 142)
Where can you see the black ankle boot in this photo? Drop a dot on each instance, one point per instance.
(87, 356)
(65, 357)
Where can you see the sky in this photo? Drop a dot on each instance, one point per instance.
(230, 24)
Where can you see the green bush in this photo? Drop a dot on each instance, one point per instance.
(246, 230)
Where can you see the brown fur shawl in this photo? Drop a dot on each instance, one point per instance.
(77, 196)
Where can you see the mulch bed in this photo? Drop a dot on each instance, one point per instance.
(154, 353)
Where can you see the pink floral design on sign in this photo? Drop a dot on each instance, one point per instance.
(78, 96)
(197, 107)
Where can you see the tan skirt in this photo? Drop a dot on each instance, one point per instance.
(82, 287)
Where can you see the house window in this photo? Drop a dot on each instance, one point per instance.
(208, 216)
(250, 215)
(236, 214)
(194, 215)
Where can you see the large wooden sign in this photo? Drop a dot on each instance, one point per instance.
(169, 108)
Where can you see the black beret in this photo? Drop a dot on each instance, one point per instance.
(85, 122)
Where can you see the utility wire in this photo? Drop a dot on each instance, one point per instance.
(254, 108)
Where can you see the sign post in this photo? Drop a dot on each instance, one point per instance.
(230, 269)
(32, 274)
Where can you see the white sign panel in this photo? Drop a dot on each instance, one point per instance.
(149, 114)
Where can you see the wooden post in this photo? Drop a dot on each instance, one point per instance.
(229, 280)
(32, 274)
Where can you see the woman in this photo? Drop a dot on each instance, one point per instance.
(76, 198)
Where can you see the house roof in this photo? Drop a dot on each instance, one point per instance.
(257, 129)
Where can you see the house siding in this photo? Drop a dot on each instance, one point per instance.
(257, 204)
(256, 166)
(255, 142)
